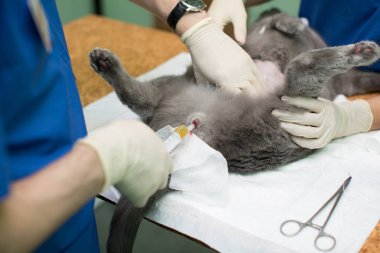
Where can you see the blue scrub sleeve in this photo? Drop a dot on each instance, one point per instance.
(4, 164)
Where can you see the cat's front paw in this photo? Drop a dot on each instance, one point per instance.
(102, 60)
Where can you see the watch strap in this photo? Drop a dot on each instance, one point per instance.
(175, 15)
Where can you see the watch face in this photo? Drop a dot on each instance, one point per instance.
(198, 4)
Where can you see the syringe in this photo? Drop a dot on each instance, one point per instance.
(173, 137)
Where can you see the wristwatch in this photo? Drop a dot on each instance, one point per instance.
(181, 8)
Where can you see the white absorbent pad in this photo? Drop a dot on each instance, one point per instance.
(200, 172)
(247, 214)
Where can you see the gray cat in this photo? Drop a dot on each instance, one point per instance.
(240, 127)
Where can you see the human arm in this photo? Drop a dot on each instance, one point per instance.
(216, 57)
(324, 120)
(233, 11)
(162, 9)
(249, 3)
(39, 204)
(230, 11)
(374, 103)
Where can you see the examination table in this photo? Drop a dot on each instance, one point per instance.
(140, 50)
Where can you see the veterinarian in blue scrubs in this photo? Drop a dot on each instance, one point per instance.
(49, 170)
(46, 184)
(340, 22)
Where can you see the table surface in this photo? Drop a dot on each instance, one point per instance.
(140, 49)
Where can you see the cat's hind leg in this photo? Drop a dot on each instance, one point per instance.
(141, 97)
(307, 74)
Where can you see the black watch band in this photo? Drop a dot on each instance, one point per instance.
(175, 15)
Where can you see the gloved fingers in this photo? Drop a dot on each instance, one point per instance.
(164, 182)
(308, 143)
(252, 83)
(141, 200)
(216, 11)
(219, 20)
(308, 103)
(230, 11)
(138, 196)
(253, 90)
(230, 89)
(302, 118)
(301, 130)
(165, 178)
(244, 86)
(254, 70)
(215, 61)
(240, 28)
(140, 203)
(170, 167)
(254, 79)
(143, 196)
(199, 77)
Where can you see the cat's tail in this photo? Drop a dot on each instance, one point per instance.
(125, 224)
(353, 82)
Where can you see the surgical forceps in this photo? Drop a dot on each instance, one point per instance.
(321, 235)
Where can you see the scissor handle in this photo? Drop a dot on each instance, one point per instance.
(297, 227)
(324, 242)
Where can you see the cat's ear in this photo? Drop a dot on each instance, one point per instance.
(268, 13)
(287, 25)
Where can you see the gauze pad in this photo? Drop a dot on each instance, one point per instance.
(200, 172)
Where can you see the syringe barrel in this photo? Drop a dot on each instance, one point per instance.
(173, 137)
(172, 141)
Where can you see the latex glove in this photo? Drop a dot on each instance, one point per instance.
(220, 60)
(134, 159)
(230, 11)
(324, 121)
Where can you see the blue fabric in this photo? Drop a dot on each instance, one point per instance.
(4, 162)
(40, 112)
(342, 22)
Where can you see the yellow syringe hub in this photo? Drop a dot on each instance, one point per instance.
(182, 131)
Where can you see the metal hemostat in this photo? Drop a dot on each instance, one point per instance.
(322, 236)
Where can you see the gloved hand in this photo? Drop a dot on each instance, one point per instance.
(134, 159)
(230, 11)
(220, 60)
(324, 121)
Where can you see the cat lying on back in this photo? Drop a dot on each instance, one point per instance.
(242, 128)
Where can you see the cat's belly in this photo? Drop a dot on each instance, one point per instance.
(271, 74)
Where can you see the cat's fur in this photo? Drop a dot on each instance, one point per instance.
(240, 127)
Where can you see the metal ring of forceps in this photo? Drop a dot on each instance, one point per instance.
(321, 235)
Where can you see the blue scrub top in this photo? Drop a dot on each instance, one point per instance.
(342, 22)
(40, 113)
